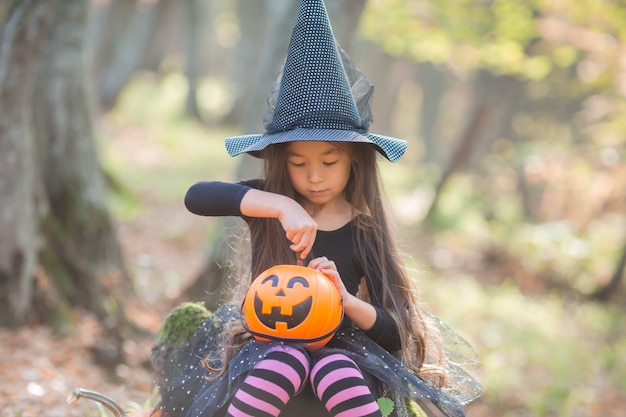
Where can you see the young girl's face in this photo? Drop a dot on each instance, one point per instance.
(318, 171)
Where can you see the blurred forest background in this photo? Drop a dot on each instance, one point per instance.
(510, 203)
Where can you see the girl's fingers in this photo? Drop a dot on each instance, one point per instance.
(322, 263)
(300, 249)
(328, 268)
(313, 263)
(300, 229)
(302, 242)
(310, 240)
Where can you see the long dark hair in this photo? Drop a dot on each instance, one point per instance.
(421, 349)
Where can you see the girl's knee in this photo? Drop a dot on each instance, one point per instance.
(340, 385)
(289, 361)
(331, 368)
(333, 360)
(295, 352)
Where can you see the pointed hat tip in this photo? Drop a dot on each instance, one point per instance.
(314, 98)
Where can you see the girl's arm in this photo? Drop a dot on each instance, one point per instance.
(362, 313)
(377, 324)
(299, 226)
(214, 198)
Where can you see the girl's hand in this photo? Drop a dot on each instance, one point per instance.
(299, 226)
(328, 268)
(360, 312)
(300, 229)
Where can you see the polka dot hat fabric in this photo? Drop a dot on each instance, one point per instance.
(315, 102)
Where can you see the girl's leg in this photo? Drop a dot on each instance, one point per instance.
(271, 383)
(339, 384)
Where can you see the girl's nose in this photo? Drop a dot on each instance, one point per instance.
(315, 175)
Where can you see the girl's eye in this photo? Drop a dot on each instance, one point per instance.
(296, 164)
(330, 163)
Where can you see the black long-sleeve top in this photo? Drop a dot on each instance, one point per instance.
(213, 198)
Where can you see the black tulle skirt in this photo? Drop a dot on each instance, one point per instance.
(186, 391)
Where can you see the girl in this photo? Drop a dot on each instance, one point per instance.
(320, 201)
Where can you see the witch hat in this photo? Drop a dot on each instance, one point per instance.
(319, 96)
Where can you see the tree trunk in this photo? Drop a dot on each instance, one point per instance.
(54, 222)
(254, 22)
(81, 255)
(432, 80)
(345, 17)
(604, 293)
(192, 70)
(110, 21)
(268, 66)
(387, 80)
(20, 41)
(489, 102)
(124, 46)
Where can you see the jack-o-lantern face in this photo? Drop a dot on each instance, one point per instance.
(295, 303)
(278, 303)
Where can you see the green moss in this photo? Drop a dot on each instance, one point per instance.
(181, 323)
(416, 410)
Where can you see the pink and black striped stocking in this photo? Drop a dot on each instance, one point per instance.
(339, 384)
(271, 383)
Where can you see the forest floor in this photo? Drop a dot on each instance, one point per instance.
(41, 369)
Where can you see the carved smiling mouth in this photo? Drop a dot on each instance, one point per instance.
(299, 313)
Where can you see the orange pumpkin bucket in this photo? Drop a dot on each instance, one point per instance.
(292, 303)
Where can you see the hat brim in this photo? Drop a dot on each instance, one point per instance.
(390, 148)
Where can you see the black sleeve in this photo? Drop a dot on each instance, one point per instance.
(385, 332)
(214, 198)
